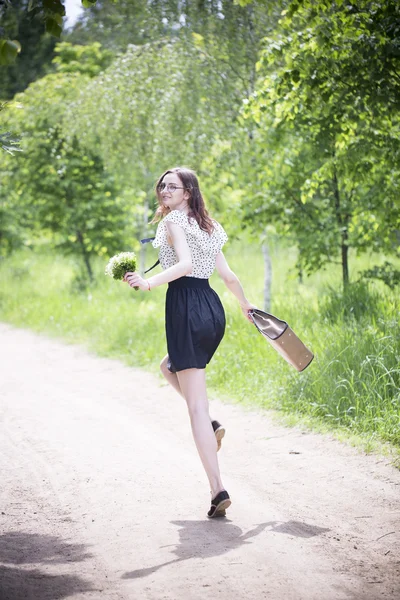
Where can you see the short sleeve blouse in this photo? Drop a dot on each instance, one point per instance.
(204, 247)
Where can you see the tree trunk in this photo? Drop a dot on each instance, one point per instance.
(300, 266)
(343, 221)
(85, 254)
(267, 277)
(345, 257)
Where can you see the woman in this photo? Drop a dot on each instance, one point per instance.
(190, 244)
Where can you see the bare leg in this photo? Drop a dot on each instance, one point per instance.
(193, 385)
(171, 377)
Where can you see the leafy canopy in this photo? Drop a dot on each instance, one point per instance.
(327, 109)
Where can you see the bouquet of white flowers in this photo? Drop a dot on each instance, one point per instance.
(120, 264)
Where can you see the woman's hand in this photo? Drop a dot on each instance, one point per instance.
(245, 310)
(135, 280)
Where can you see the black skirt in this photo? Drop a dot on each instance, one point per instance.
(194, 323)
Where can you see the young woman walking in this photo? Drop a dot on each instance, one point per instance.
(190, 244)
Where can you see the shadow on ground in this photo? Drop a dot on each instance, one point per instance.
(20, 548)
(206, 539)
(20, 584)
(17, 583)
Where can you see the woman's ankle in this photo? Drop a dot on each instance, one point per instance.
(215, 491)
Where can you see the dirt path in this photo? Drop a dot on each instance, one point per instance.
(103, 495)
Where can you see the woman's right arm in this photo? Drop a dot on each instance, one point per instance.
(180, 269)
(233, 284)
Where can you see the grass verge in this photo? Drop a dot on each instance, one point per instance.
(352, 386)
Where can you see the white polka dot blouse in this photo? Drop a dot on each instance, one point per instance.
(203, 246)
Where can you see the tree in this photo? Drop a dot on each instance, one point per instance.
(220, 38)
(226, 27)
(35, 49)
(49, 12)
(57, 189)
(158, 105)
(8, 141)
(88, 60)
(328, 131)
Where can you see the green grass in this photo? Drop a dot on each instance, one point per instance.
(352, 385)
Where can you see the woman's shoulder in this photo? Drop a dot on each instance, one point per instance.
(217, 224)
(219, 230)
(181, 218)
(176, 216)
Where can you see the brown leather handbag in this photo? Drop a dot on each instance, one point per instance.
(282, 338)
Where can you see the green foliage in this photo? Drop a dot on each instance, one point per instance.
(155, 101)
(11, 232)
(120, 264)
(327, 114)
(9, 50)
(311, 156)
(386, 273)
(174, 95)
(8, 141)
(225, 31)
(88, 60)
(353, 382)
(356, 302)
(60, 192)
(50, 13)
(25, 49)
(358, 384)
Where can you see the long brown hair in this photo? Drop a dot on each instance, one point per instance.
(197, 207)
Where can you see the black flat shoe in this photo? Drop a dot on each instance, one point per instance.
(219, 431)
(219, 504)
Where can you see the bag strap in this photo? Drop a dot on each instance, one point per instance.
(146, 241)
(267, 324)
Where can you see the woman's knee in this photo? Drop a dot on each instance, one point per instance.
(197, 408)
(163, 366)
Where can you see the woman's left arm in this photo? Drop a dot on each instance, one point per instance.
(180, 269)
(233, 284)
